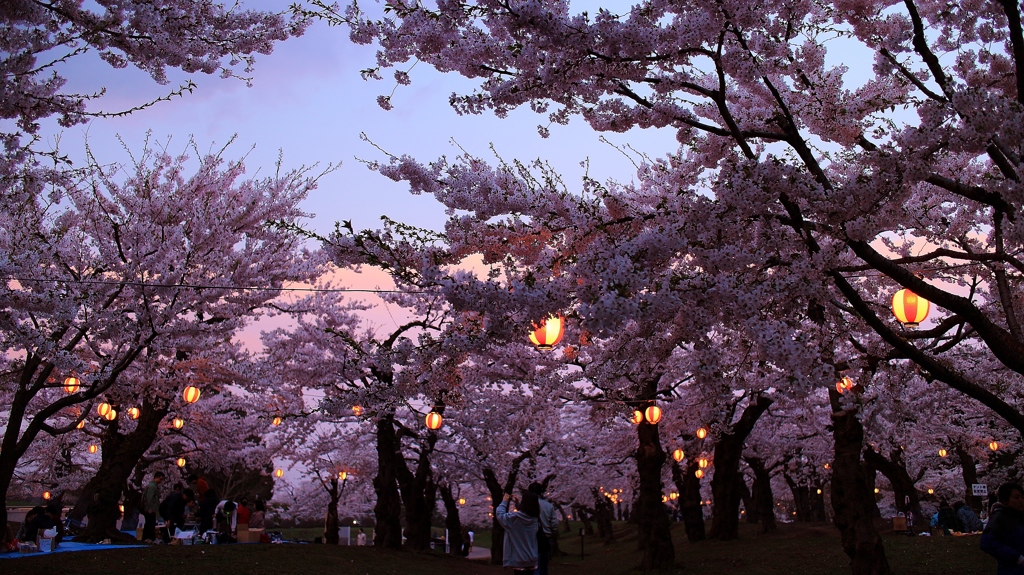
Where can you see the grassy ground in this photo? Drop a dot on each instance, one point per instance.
(795, 549)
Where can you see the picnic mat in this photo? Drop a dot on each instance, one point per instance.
(69, 546)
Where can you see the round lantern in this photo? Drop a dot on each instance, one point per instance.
(279, 473)
(110, 415)
(191, 394)
(72, 384)
(993, 446)
(678, 455)
(877, 490)
(673, 496)
(103, 409)
(910, 308)
(178, 423)
(702, 433)
(699, 473)
(277, 421)
(702, 462)
(931, 491)
(652, 414)
(638, 417)
(47, 495)
(462, 500)
(828, 466)
(134, 412)
(844, 384)
(549, 334)
(343, 475)
(357, 410)
(434, 421)
(81, 425)
(819, 491)
(93, 449)
(180, 462)
(942, 453)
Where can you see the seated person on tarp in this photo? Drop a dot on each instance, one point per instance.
(227, 521)
(947, 518)
(25, 523)
(41, 522)
(968, 518)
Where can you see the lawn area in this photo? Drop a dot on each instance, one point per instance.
(794, 549)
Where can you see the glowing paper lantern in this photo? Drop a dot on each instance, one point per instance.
(993, 446)
(942, 453)
(678, 455)
(279, 473)
(699, 473)
(180, 462)
(653, 414)
(844, 384)
(549, 334)
(110, 415)
(462, 500)
(828, 466)
(357, 410)
(93, 448)
(72, 384)
(178, 423)
(910, 308)
(47, 495)
(702, 433)
(103, 409)
(673, 496)
(434, 421)
(191, 394)
(134, 412)
(703, 462)
(638, 417)
(81, 425)
(277, 421)
(877, 490)
(819, 491)
(343, 475)
(931, 491)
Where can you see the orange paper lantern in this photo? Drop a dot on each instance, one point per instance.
(357, 410)
(462, 500)
(434, 421)
(103, 409)
(279, 473)
(910, 308)
(343, 475)
(702, 462)
(548, 335)
(653, 414)
(134, 412)
(701, 433)
(699, 473)
(942, 453)
(111, 415)
(277, 421)
(638, 417)
(844, 384)
(47, 495)
(81, 425)
(180, 462)
(72, 384)
(993, 445)
(191, 394)
(678, 455)
(178, 423)
(93, 449)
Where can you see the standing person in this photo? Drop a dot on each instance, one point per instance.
(1004, 536)
(521, 528)
(199, 485)
(243, 511)
(207, 509)
(176, 504)
(361, 538)
(970, 521)
(150, 506)
(548, 529)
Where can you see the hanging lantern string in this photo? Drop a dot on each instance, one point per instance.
(203, 286)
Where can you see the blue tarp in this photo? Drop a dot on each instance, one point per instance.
(69, 546)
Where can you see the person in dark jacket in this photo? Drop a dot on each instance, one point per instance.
(947, 518)
(207, 510)
(1004, 535)
(521, 528)
(967, 517)
(176, 504)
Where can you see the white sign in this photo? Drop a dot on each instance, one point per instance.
(979, 490)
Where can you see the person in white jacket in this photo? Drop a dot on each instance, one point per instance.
(521, 526)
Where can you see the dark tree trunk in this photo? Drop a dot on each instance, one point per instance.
(750, 510)
(689, 499)
(419, 495)
(655, 537)
(497, 491)
(603, 513)
(584, 517)
(801, 498)
(970, 474)
(725, 490)
(121, 453)
(451, 520)
(331, 518)
(908, 500)
(818, 504)
(852, 500)
(761, 495)
(388, 531)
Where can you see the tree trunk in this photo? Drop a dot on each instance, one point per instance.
(725, 484)
(121, 453)
(750, 509)
(584, 517)
(818, 504)
(761, 495)
(852, 501)
(388, 531)
(419, 495)
(655, 537)
(970, 473)
(451, 520)
(689, 499)
(908, 500)
(604, 514)
(331, 536)
(801, 498)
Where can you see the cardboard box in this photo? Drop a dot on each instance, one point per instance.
(899, 523)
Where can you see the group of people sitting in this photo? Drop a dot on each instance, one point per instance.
(197, 505)
(37, 521)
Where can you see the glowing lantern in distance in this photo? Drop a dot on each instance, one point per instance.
(462, 500)
(993, 446)
(277, 420)
(343, 475)
(180, 462)
(702, 462)
(877, 490)
(844, 384)
(111, 415)
(191, 394)
(673, 496)
(819, 491)
(434, 421)
(638, 417)
(279, 473)
(357, 410)
(699, 473)
(47, 495)
(103, 409)
(678, 455)
(942, 453)
(931, 491)
(81, 425)
(178, 423)
(72, 384)
(910, 308)
(702, 433)
(134, 412)
(549, 334)
(652, 414)
(93, 449)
